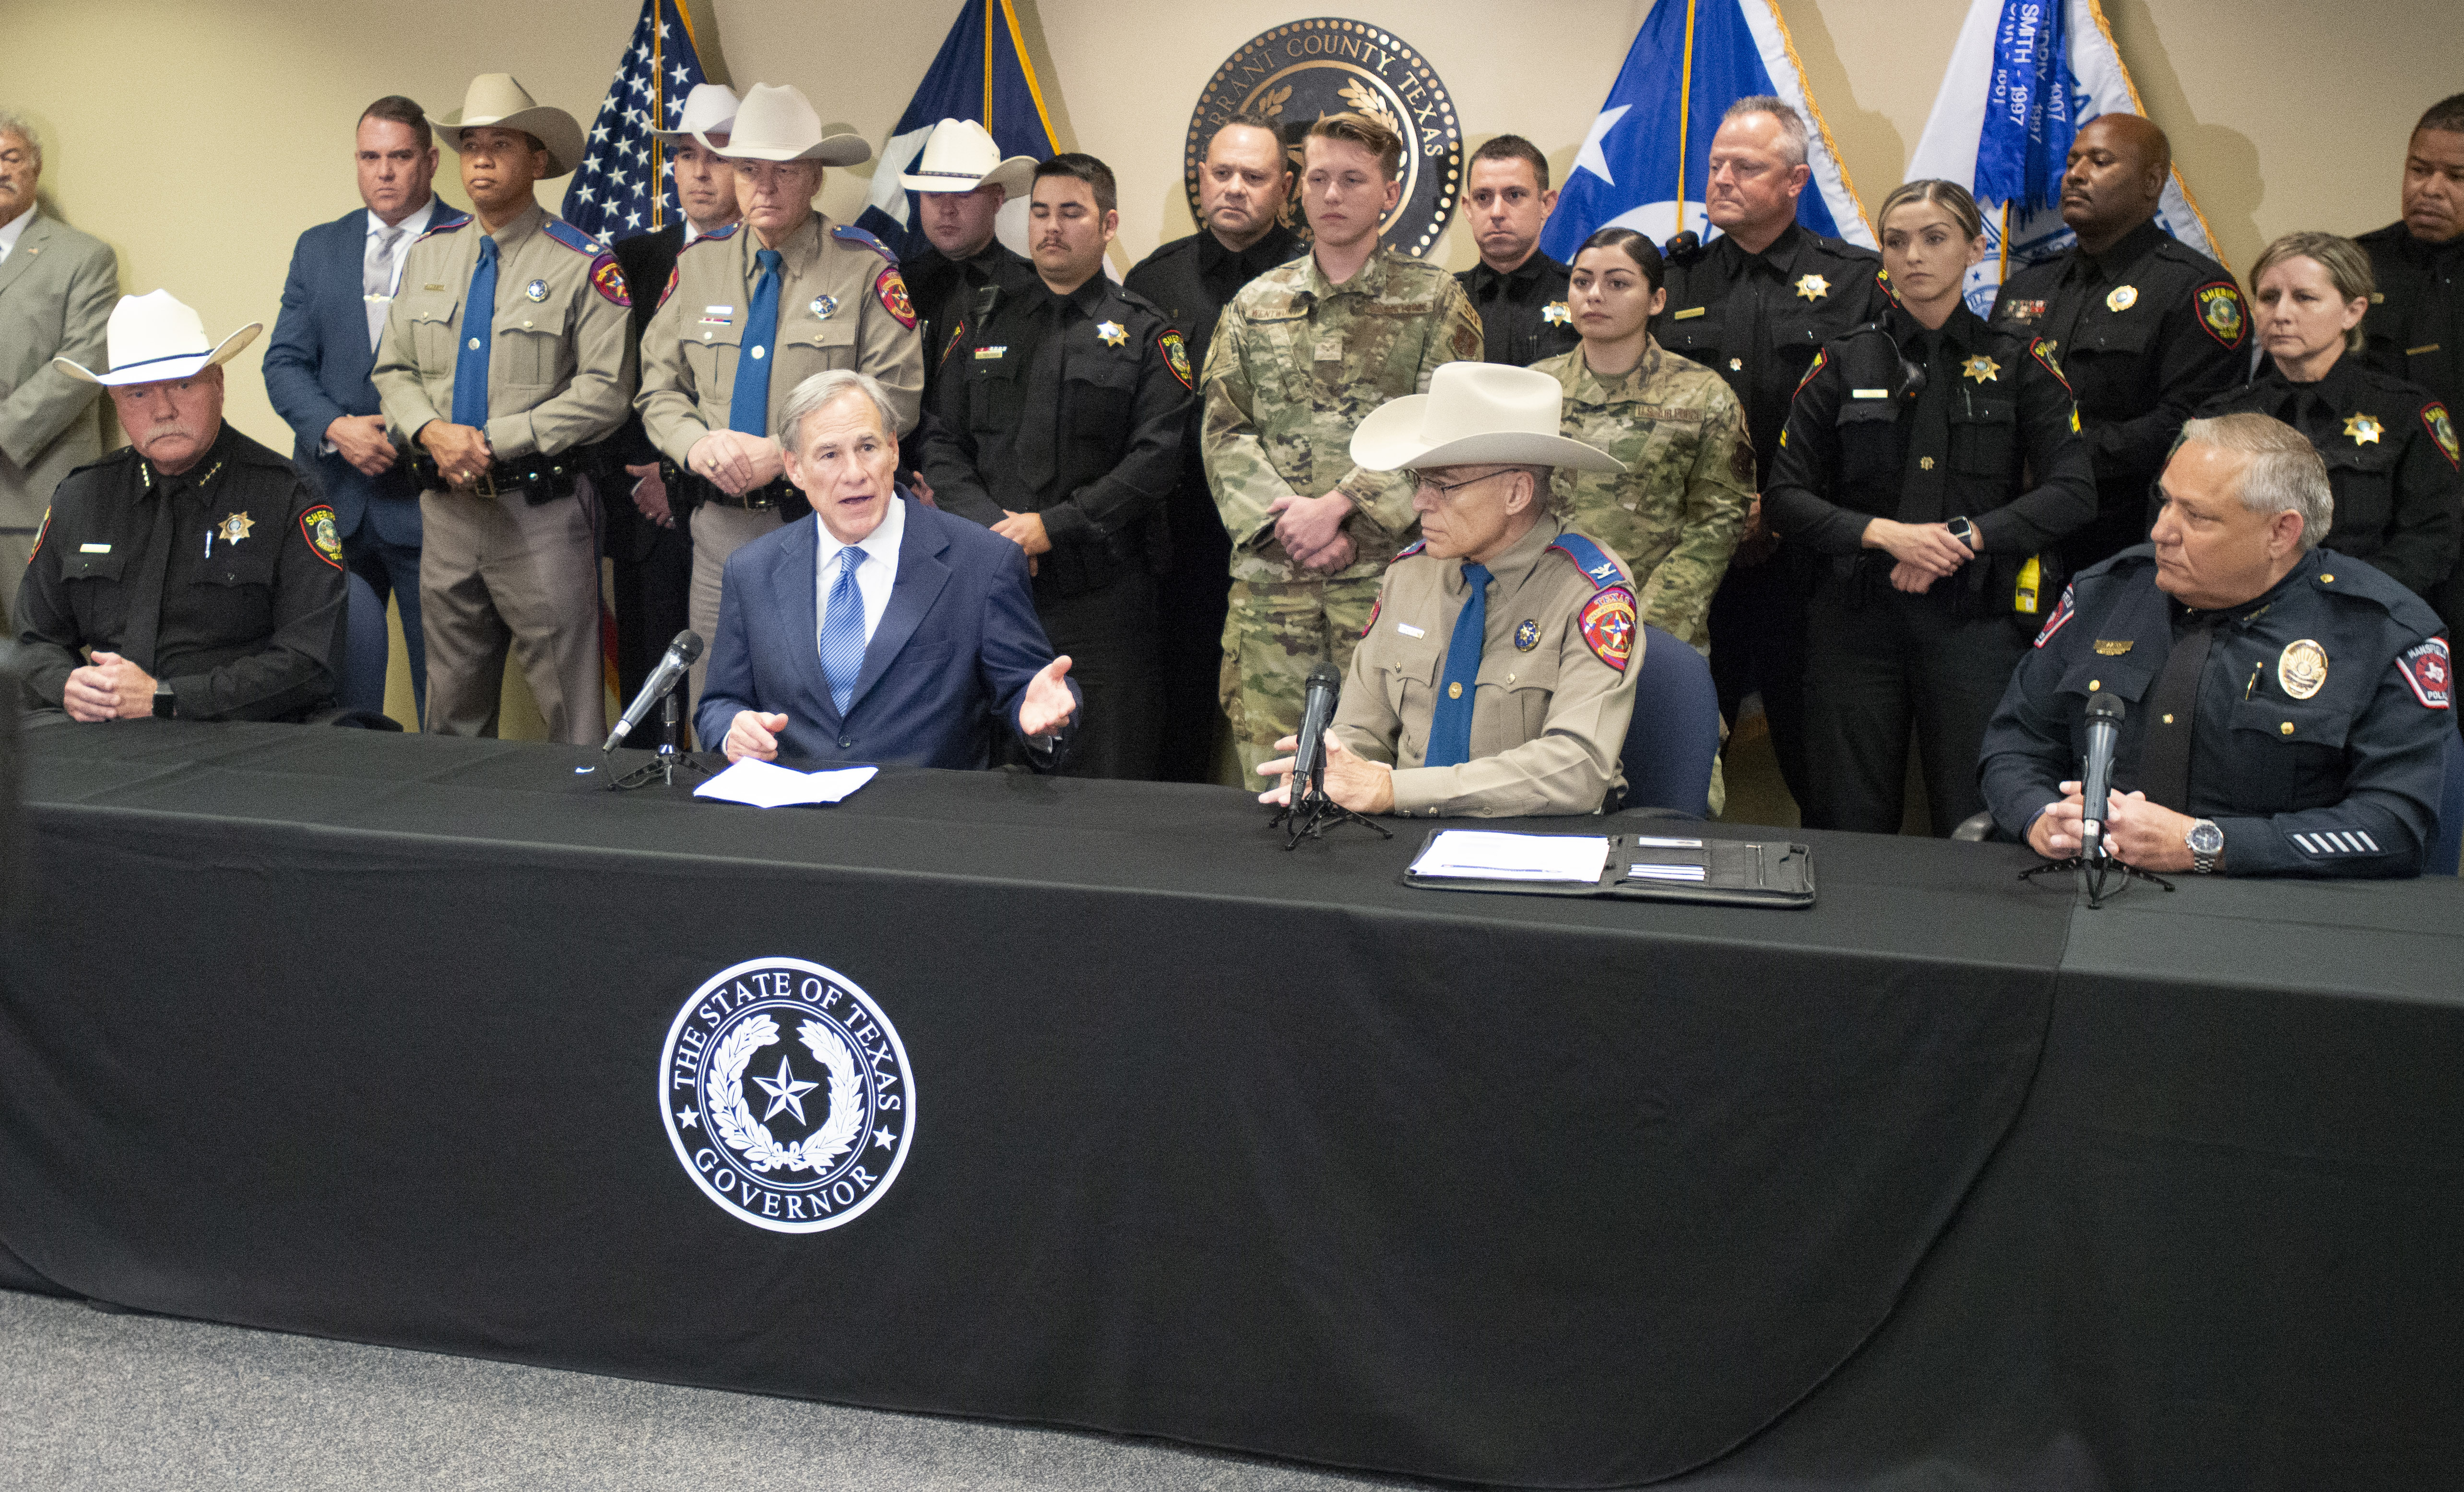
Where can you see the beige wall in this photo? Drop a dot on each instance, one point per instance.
(200, 137)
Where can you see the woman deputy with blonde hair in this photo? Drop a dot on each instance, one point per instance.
(2389, 445)
(1935, 461)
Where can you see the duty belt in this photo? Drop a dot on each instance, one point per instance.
(539, 480)
(776, 494)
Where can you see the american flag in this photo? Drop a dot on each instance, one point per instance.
(626, 185)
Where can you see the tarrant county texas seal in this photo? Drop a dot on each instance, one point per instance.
(787, 1095)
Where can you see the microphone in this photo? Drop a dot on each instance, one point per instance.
(679, 657)
(1309, 754)
(2096, 788)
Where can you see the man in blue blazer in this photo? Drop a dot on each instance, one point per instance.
(342, 276)
(877, 630)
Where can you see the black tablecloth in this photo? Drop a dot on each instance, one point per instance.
(360, 1035)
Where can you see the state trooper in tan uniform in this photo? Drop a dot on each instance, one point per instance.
(752, 311)
(1496, 675)
(493, 410)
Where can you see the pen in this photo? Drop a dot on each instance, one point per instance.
(2253, 678)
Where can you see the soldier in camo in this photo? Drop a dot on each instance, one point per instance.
(1675, 516)
(1301, 355)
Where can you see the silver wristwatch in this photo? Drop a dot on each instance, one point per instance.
(2207, 844)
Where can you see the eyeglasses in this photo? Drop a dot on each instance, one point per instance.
(1447, 490)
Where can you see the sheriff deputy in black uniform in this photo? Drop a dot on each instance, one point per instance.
(202, 574)
(1754, 306)
(2147, 329)
(1060, 427)
(1931, 459)
(1519, 292)
(1243, 189)
(960, 183)
(2286, 707)
(2389, 445)
(2416, 321)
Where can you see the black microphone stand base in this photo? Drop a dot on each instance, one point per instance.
(2094, 876)
(1314, 816)
(662, 768)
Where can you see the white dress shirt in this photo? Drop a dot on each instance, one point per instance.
(413, 225)
(875, 578)
(15, 231)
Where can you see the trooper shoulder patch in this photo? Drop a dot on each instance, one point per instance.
(317, 527)
(1607, 625)
(891, 287)
(1175, 357)
(1821, 360)
(607, 277)
(2431, 674)
(2220, 312)
(2441, 427)
(2062, 610)
(1374, 607)
(673, 276)
(39, 536)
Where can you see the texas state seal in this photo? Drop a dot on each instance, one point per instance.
(786, 1094)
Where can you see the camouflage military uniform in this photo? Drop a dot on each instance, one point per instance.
(1295, 364)
(1675, 516)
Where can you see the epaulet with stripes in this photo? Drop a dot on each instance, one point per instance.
(1598, 564)
(573, 239)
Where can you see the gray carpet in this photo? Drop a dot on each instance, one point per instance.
(96, 1401)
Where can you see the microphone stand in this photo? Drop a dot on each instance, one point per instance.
(2097, 878)
(1312, 813)
(663, 768)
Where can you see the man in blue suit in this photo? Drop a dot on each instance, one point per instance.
(342, 276)
(877, 630)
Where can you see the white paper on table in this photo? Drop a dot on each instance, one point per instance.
(1486, 855)
(765, 785)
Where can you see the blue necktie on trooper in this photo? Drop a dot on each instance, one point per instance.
(471, 364)
(748, 407)
(842, 632)
(1450, 725)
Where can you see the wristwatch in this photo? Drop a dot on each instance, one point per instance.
(2206, 845)
(1963, 531)
(167, 705)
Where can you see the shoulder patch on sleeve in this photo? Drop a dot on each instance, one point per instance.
(1175, 357)
(957, 335)
(891, 287)
(2431, 674)
(607, 277)
(2441, 427)
(2044, 354)
(849, 233)
(317, 527)
(2062, 610)
(1821, 360)
(39, 534)
(1607, 625)
(574, 238)
(1374, 607)
(1882, 283)
(2220, 312)
(672, 277)
(1598, 564)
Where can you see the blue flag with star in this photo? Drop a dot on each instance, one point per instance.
(626, 185)
(981, 73)
(1644, 162)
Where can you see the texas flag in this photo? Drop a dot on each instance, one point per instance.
(981, 73)
(1644, 162)
(2024, 76)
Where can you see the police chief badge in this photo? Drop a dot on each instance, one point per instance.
(318, 527)
(2442, 429)
(2123, 299)
(2301, 668)
(786, 1095)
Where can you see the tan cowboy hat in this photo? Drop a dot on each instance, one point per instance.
(961, 156)
(779, 124)
(153, 338)
(1475, 414)
(708, 109)
(500, 100)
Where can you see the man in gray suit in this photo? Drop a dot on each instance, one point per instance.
(57, 287)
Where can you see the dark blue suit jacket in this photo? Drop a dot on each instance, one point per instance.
(317, 371)
(959, 639)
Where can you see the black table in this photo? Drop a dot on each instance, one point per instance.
(363, 1035)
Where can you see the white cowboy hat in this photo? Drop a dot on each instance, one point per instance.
(779, 124)
(708, 109)
(1475, 414)
(153, 338)
(500, 100)
(961, 156)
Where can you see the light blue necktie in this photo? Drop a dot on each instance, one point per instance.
(748, 408)
(471, 364)
(1450, 727)
(842, 632)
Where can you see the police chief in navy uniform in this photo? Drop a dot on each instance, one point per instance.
(2286, 706)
